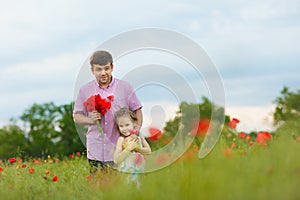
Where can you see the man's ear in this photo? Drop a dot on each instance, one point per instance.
(112, 66)
(92, 69)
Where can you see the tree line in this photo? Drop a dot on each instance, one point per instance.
(42, 130)
(48, 129)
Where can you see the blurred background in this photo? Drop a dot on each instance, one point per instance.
(254, 45)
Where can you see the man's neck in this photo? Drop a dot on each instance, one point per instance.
(106, 84)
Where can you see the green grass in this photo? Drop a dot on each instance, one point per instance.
(264, 172)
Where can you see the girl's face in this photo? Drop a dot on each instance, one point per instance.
(125, 124)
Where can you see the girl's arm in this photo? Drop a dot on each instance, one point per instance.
(145, 149)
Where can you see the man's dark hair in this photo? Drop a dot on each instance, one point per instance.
(101, 58)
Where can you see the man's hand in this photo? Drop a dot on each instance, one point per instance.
(95, 115)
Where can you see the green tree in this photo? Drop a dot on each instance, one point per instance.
(51, 130)
(287, 113)
(69, 140)
(41, 126)
(46, 129)
(189, 113)
(188, 116)
(12, 141)
(288, 106)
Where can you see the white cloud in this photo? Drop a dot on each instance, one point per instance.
(252, 118)
(258, 89)
(45, 80)
(44, 43)
(269, 10)
(51, 71)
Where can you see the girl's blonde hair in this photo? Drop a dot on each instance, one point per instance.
(125, 112)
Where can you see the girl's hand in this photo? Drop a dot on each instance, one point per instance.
(132, 143)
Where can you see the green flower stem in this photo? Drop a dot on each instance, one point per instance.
(100, 130)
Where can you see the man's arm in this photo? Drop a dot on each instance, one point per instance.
(139, 116)
(82, 119)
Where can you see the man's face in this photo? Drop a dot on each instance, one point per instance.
(102, 73)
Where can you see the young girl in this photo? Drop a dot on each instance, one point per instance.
(130, 147)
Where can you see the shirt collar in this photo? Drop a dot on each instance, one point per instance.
(109, 85)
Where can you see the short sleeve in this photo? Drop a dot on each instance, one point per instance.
(134, 102)
(78, 104)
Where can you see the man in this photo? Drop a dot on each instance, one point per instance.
(101, 146)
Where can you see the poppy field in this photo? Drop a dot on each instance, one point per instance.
(241, 166)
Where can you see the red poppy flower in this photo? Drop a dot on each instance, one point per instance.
(12, 160)
(138, 159)
(243, 135)
(233, 122)
(189, 155)
(161, 159)
(47, 172)
(78, 153)
(55, 178)
(30, 170)
(71, 155)
(248, 137)
(96, 102)
(36, 160)
(111, 98)
(88, 178)
(228, 152)
(200, 127)
(134, 132)
(154, 133)
(250, 143)
(1, 169)
(195, 148)
(23, 165)
(263, 137)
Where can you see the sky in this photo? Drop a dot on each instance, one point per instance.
(254, 46)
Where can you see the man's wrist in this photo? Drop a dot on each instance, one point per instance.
(92, 121)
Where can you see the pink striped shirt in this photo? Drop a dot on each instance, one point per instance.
(98, 148)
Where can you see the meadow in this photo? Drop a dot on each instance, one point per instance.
(258, 171)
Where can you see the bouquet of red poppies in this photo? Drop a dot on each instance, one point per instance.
(99, 104)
